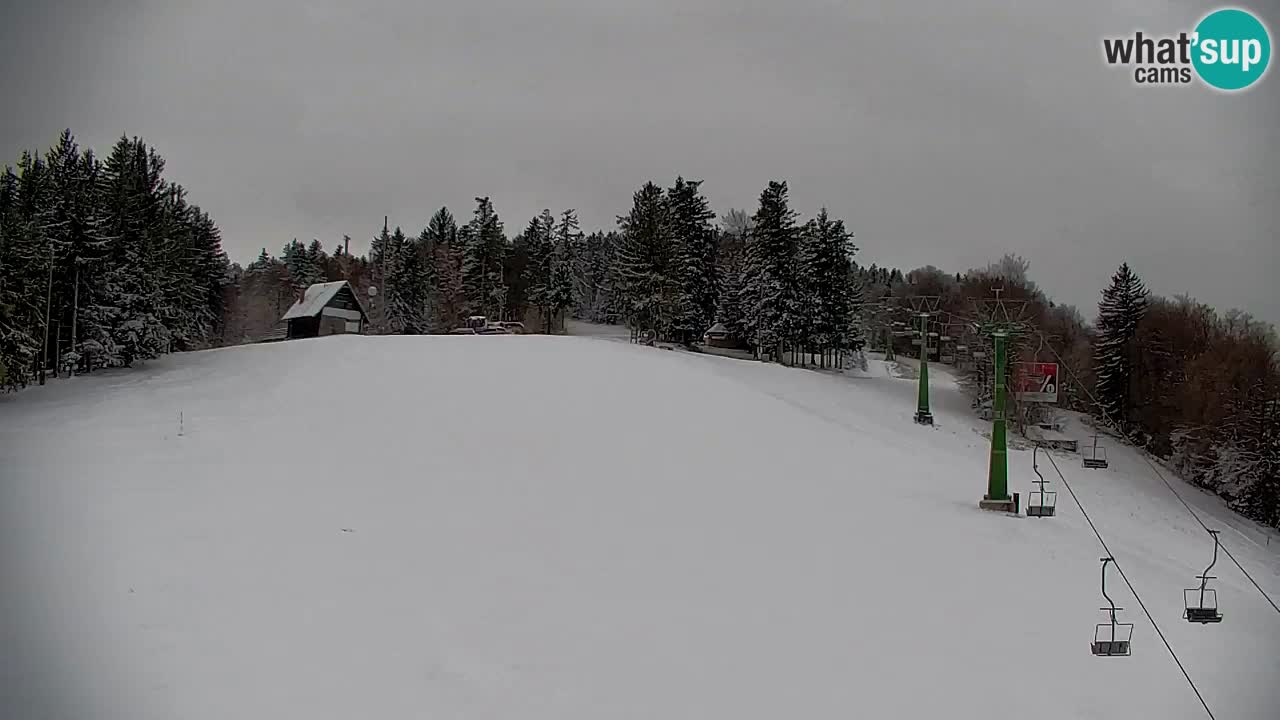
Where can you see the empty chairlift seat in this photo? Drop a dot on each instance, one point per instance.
(1095, 456)
(1201, 603)
(1040, 503)
(1111, 638)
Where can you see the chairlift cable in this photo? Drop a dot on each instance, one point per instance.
(1146, 458)
(1124, 577)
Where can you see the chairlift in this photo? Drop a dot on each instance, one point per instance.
(1095, 457)
(1204, 609)
(1040, 503)
(1111, 639)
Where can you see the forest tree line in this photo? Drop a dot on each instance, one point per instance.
(104, 262)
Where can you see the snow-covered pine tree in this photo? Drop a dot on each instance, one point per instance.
(729, 305)
(398, 294)
(384, 255)
(18, 348)
(317, 259)
(268, 292)
(70, 221)
(731, 257)
(450, 292)
(485, 248)
(825, 258)
(426, 249)
(194, 272)
(694, 248)
(132, 191)
(516, 273)
(294, 254)
(856, 327)
(771, 291)
(594, 294)
(644, 263)
(1123, 305)
(410, 290)
(560, 287)
(539, 246)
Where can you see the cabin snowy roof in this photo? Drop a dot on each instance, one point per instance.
(314, 300)
(718, 328)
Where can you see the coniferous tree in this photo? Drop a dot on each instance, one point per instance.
(410, 289)
(1123, 305)
(299, 264)
(316, 261)
(18, 348)
(694, 248)
(72, 225)
(384, 254)
(560, 285)
(398, 295)
(594, 292)
(731, 257)
(450, 291)
(485, 248)
(133, 189)
(644, 263)
(538, 242)
(771, 292)
(825, 265)
(729, 304)
(516, 274)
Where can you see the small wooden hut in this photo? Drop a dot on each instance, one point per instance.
(326, 309)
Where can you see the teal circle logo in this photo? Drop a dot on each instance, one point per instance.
(1231, 49)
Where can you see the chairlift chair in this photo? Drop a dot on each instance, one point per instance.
(1040, 503)
(1095, 457)
(1202, 603)
(1111, 639)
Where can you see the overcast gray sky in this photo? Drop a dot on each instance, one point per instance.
(943, 132)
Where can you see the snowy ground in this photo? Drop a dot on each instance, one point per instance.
(537, 527)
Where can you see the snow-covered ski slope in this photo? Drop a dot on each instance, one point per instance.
(534, 527)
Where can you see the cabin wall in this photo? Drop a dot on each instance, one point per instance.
(306, 327)
(330, 325)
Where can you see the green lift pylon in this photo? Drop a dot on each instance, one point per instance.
(997, 497)
(923, 416)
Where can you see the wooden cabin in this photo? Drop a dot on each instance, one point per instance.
(326, 309)
(718, 336)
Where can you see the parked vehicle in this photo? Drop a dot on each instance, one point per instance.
(480, 325)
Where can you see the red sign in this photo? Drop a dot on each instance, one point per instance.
(1036, 382)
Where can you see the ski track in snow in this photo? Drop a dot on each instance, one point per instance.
(537, 527)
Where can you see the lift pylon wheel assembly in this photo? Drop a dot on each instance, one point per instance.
(1040, 503)
(1111, 639)
(1202, 603)
(1095, 457)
